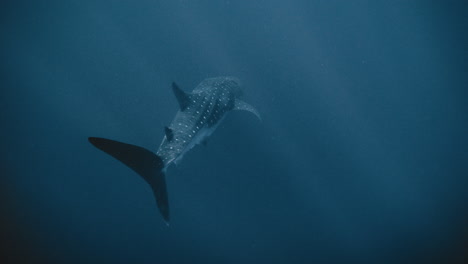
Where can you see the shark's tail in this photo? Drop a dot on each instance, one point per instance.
(144, 162)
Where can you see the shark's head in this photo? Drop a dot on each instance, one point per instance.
(234, 84)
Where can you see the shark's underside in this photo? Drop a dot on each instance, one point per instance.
(200, 113)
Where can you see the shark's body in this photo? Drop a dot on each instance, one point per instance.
(199, 115)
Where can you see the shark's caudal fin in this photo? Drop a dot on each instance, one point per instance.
(144, 162)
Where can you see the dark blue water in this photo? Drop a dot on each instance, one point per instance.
(361, 156)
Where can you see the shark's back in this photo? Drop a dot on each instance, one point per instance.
(198, 118)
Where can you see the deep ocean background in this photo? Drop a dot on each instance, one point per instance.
(361, 156)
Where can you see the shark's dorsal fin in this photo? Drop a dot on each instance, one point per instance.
(241, 105)
(169, 133)
(182, 97)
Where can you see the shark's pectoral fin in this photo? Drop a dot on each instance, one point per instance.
(241, 105)
(182, 97)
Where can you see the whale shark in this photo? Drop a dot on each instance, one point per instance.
(200, 113)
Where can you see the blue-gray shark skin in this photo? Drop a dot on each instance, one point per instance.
(200, 113)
